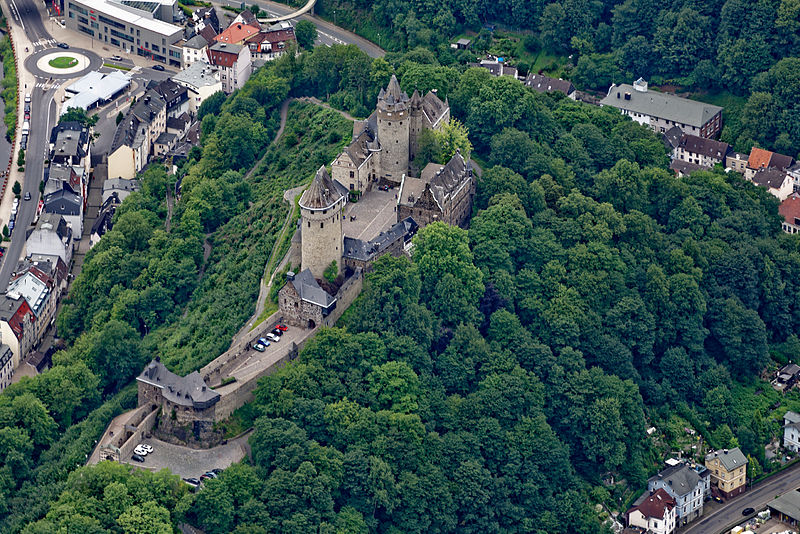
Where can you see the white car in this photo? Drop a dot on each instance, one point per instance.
(272, 337)
(140, 451)
(145, 446)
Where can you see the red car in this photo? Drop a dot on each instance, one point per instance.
(282, 327)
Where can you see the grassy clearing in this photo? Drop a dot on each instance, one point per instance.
(9, 92)
(115, 66)
(63, 62)
(228, 291)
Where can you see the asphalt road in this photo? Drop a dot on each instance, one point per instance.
(43, 117)
(756, 498)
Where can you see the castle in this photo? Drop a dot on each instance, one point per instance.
(380, 154)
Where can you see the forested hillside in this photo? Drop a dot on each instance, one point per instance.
(720, 47)
(488, 383)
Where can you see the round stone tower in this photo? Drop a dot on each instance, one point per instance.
(321, 218)
(393, 131)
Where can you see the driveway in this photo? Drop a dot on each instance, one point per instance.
(374, 213)
(730, 513)
(191, 463)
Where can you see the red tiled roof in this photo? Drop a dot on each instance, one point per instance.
(236, 33)
(759, 158)
(656, 505)
(790, 209)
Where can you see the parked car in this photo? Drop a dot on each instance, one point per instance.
(277, 331)
(282, 327)
(27, 107)
(23, 143)
(10, 225)
(204, 477)
(216, 471)
(273, 337)
(210, 474)
(192, 481)
(748, 511)
(140, 451)
(116, 58)
(63, 45)
(263, 341)
(259, 347)
(158, 67)
(148, 448)
(27, 195)
(137, 458)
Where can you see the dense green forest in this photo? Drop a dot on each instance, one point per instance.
(486, 384)
(714, 48)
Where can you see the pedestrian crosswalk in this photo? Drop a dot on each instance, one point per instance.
(45, 42)
(48, 85)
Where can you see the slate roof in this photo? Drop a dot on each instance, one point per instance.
(684, 168)
(198, 74)
(769, 177)
(190, 390)
(361, 250)
(790, 210)
(361, 148)
(198, 42)
(63, 203)
(655, 505)
(143, 112)
(546, 84)
(729, 458)
(309, 290)
(661, 105)
(322, 193)
(446, 181)
(706, 147)
(224, 54)
(672, 137)
(681, 478)
(54, 222)
(433, 107)
(166, 138)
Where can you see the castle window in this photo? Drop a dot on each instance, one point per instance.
(309, 224)
(324, 212)
(352, 174)
(321, 225)
(390, 124)
(401, 123)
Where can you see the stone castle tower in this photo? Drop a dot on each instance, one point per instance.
(416, 124)
(394, 126)
(321, 218)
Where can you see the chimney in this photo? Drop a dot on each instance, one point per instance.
(290, 275)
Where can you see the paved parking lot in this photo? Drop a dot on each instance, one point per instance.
(374, 213)
(186, 462)
(252, 362)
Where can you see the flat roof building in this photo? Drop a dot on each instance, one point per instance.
(143, 26)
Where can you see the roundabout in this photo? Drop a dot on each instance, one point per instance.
(57, 63)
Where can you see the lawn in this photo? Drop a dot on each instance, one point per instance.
(63, 62)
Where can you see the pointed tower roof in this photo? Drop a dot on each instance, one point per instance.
(393, 89)
(416, 100)
(322, 193)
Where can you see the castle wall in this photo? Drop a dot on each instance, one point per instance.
(458, 211)
(322, 238)
(297, 312)
(393, 132)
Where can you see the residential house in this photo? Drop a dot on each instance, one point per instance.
(193, 50)
(60, 176)
(16, 327)
(545, 84)
(179, 125)
(51, 237)
(790, 211)
(737, 162)
(765, 159)
(786, 377)
(303, 302)
(39, 291)
(791, 431)
(237, 33)
(793, 171)
(701, 151)
(686, 486)
(728, 469)
(164, 144)
(70, 206)
(498, 67)
(671, 139)
(105, 218)
(246, 17)
(461, 44)
(683, 168)
(70, 145)
(272, 42)
(133, 141)
(206, 16)
(52, 267)
(233, 61)
(777, 182)
(119, 187)
(657, 514)
(360, 254)
(6, 366)
(175, 95)
(202, 80)
(441, 193)
(662, 111)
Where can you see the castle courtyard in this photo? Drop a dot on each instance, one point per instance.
(374, 213)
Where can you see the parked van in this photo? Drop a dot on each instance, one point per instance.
(26, 128)
(27, 98)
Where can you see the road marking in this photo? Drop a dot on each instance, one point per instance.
(44, 42)
(17, 16)
(331, 37)
(48, 85)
